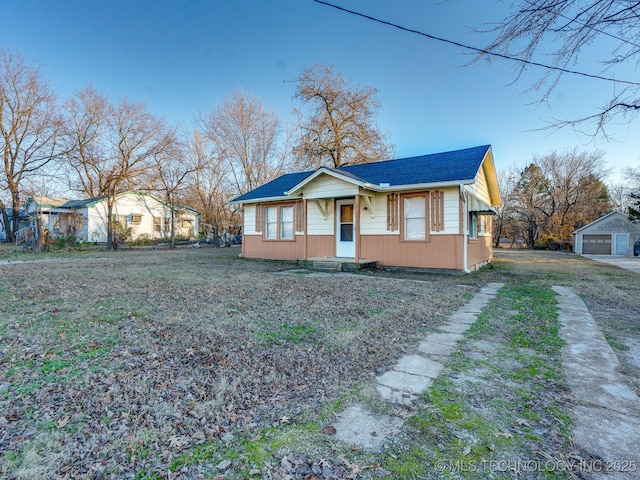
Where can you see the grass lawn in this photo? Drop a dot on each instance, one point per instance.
(194, 363)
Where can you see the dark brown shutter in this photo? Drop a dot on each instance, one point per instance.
(259, 217)
(298, 215)
(392, 212)
(437, 211)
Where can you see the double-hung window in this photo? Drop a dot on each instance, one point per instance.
(279, 222)
(415, 221)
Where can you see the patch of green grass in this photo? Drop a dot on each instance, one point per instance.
(466, 424)
(614, 343)
(250, 450)
(285, 332)
(480, 327)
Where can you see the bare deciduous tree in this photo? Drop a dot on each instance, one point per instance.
(245, 136)
(558, 193)
(336, 121)
(29, 128)
(210, 188)
(86, 126)
(563, 30)
(111, 146)
(172, 167)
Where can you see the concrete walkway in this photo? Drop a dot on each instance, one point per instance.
(411, 376)
(623, 261)
(605, 412)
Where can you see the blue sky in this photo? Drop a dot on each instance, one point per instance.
(185, 57)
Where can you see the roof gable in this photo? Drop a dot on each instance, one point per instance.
(603, 218)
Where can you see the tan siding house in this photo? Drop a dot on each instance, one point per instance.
(431, 211)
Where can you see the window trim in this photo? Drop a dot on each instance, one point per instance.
(403, 220)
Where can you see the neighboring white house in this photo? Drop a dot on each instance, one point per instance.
(86, 220)
(611, 234)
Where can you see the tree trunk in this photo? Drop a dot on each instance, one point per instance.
(38, 237)
(5, 222)
(173, 225)
(111, 245)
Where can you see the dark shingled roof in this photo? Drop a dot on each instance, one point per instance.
(443, 167)
(83, 203)
(275, 188)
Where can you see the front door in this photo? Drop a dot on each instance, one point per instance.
(345, 229)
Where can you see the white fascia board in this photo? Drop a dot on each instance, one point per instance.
(417, 186)
(264, 200)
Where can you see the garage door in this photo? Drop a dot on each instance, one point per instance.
(596, 244)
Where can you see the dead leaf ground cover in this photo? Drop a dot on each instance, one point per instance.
(117, 364)
(197, 364)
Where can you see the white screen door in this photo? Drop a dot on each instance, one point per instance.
(345, 229)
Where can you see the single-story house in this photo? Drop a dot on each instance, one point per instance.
(611, 234)
(429, 211)
(86, 220)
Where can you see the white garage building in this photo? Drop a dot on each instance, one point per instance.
(611, 234)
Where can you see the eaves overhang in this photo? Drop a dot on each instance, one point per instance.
(381, 187)
(265, 199)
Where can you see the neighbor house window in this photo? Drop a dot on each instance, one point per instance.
(56, 224)
(415, 221)
(157, 224)
(271, 223)
(286, 223)
(135, 219)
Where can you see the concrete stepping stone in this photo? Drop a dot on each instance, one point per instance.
(445, 338)
(432, 348)
(396, 396)
(454, 327)
(405, 382)
(418, 365)
(357, 425)
(463, 317)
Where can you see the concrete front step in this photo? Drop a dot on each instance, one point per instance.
(338, 265)
(327, 266)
